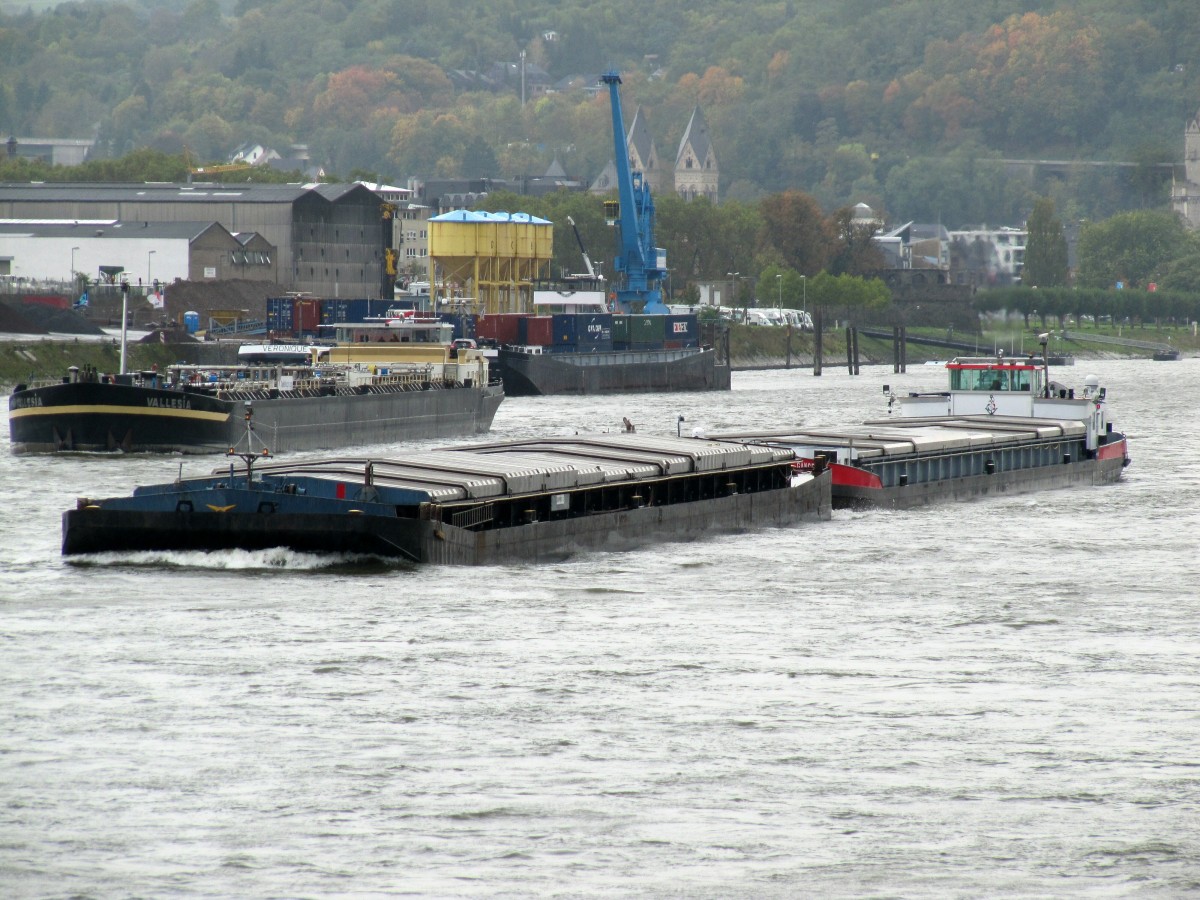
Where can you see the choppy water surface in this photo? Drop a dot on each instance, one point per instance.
(990, 699)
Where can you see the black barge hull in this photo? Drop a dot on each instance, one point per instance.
(612, 372)
(99, 417)
(534, 500)
(99, 530)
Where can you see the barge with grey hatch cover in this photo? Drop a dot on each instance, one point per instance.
(1003, 427)
(528, 500)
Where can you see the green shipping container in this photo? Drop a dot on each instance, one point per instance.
(646, 329)
(620, 329)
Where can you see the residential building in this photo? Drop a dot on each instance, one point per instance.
(988, 257)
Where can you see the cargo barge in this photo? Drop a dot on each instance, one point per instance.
(572, 344)
(533, 500)
(383, 381)
(1003, 428)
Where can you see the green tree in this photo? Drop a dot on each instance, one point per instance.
(852, 295)
(1133, 248)
(1045, 247)
(1183, 275)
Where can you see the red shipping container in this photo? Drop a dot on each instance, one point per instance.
(501, 327)
(307, 316)
(539, 331)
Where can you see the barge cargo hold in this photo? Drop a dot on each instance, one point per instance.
(533, 500)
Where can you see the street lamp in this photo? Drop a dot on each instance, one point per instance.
(804, 293)
(149, 280)
(73, 249)
(779, 284)
(733, 277)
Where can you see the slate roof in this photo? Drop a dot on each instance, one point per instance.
(108, 229)
(697, 135)
(167, 192)
(640, 139)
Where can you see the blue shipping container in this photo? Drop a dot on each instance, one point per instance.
(564, 329)
(594, 329)
(279, 315)
(680, 328)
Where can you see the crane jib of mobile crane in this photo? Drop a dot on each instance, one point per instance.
(640, 266)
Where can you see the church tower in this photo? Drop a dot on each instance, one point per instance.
(643, 155)
(696, 171)
(1185, 186)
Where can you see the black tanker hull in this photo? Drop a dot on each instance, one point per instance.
(93, 529)
(611, 372)
(97, 417)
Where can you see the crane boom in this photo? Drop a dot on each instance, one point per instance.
(587, 260)
(640, 266)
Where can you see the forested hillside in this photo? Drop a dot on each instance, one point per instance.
(898, 104)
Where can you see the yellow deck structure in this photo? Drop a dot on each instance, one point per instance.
(490, 259)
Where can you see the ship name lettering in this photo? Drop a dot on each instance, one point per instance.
(26, 402)
(169, 402)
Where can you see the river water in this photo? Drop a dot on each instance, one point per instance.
(995, 698)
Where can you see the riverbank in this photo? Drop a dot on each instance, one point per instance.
(771, 348)
(26, 359)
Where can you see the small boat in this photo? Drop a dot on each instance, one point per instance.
(531, 500)
(390, 380)
(1166, 354)
(1002, 427)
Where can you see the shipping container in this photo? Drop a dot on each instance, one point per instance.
(564, 328)
(594, 329)
(333, 312)
(306, 316)
(680, 328)
(501, 328)
(646, 329)
(537, 331)
(620, 329)
(279, 315)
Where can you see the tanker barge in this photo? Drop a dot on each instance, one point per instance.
(532, 500)
(387, 380)
(1003, 427)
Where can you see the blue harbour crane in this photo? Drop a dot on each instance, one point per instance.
(639, 266)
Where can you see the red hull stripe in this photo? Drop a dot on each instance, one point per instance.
(850, 476)
(1115, 450)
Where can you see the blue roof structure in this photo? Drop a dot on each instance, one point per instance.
(467, 215)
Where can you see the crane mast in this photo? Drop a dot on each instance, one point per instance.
(640, 266)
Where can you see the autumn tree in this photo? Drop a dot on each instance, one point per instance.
(854, 251)
(795, 226)
(1045, 247)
